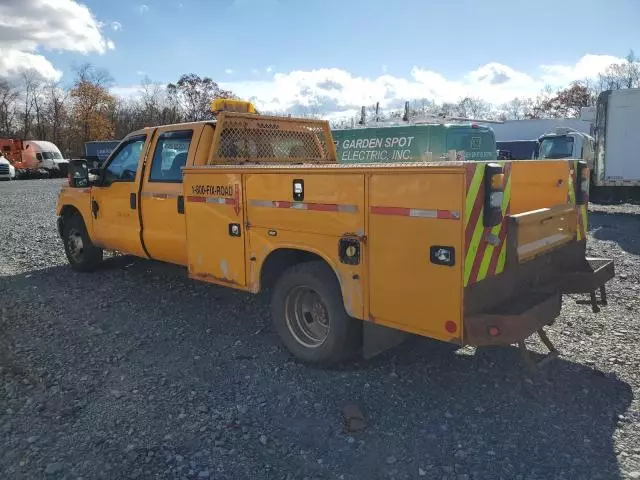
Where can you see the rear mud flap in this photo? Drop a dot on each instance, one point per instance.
(378, 338)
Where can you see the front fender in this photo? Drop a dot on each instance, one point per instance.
(74, 201)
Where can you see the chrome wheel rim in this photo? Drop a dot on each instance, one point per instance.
(306, 316)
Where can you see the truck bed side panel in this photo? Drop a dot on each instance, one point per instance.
(410, 215)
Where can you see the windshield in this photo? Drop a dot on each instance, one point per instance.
(556, 147)
(52, 155)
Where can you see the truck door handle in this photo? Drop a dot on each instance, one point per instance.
(180, 204)
(94, 208)
(132, 201)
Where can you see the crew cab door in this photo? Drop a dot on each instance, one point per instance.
(162, 200)
(114, 201)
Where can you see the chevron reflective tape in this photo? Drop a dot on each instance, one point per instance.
(485, 247)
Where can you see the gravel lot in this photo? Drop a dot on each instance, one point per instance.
(136, 372)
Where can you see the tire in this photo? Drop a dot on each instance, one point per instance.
(82, 254)
(309, 315)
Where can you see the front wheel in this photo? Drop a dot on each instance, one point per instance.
(82, 254)
(309, 315)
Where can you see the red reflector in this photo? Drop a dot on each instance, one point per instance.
(451, 327)
(69, 179)
(494, 331)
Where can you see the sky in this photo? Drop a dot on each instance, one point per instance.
(329, 56)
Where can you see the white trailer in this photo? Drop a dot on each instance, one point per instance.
(617, 136)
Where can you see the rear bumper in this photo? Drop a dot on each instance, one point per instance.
(529, 296)
(514, 320)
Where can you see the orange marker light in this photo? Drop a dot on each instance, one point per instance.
(497, 181)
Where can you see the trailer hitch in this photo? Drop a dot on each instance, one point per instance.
(593, 300)
(526, 354)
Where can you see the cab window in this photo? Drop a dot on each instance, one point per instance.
(123, 166)
(170, 156)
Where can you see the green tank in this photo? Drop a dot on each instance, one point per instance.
(410, 143)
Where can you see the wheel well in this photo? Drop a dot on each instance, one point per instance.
(69, 210)
(280, 260)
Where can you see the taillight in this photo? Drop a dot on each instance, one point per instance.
(582, 183)
(69, 179)
(494, 193)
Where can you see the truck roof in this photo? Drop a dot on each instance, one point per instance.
(42, 145)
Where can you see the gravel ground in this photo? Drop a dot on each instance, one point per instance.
(136, 372)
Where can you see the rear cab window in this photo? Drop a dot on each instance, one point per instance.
(170, 156)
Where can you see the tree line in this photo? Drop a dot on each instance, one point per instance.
(87, 110)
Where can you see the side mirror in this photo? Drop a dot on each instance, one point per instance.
(78, 174)
(94, 175)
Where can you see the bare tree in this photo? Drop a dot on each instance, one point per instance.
(195, 94)
(516, 109)
(30, 84)
(470, 107)
(56, 110)
(8, 97)
(622, 75)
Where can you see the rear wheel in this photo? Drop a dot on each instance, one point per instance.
(82, 254)
(309, 315)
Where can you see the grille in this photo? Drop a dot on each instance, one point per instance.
(260, 139)
(4, 169)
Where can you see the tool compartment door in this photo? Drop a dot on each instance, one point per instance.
(215, 227)
(411, 217)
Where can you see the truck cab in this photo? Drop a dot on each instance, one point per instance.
(567, 143)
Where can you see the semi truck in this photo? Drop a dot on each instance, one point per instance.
(356, 256)
(34, 158)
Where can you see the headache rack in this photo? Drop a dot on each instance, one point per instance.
(259, 139)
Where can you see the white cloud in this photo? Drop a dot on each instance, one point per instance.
(29, 26)
(141, 72)
(269, 69)
(115, 26)
(384, 69)
(228, 71)
(335, 91)
(143, 9)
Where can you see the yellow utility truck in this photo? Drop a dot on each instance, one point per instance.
(354, 256)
